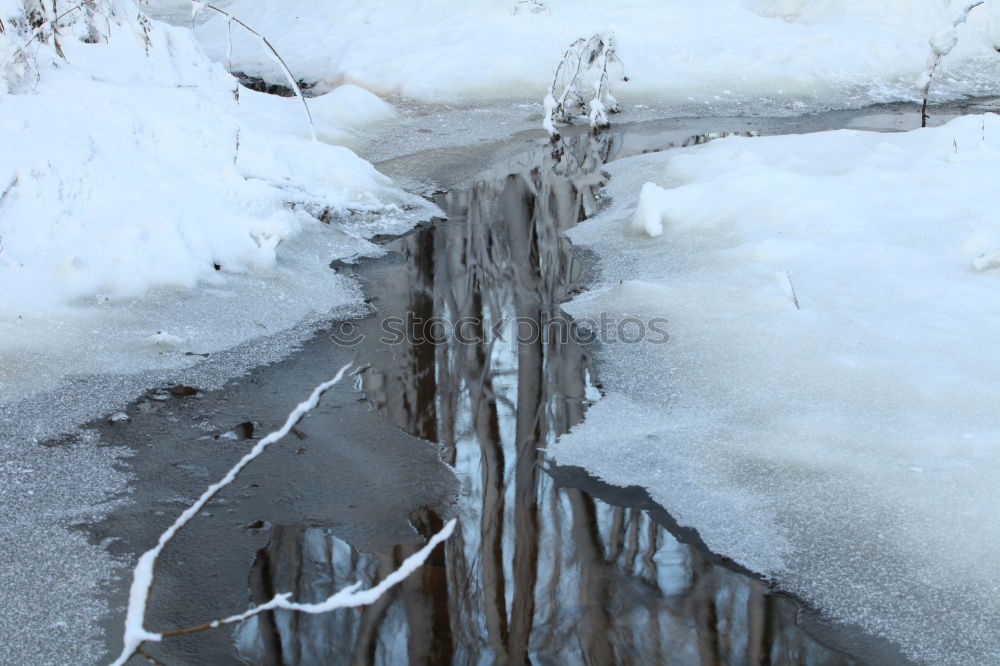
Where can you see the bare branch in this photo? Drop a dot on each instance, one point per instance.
(135, 632)
(791, 290)
(236, 87)
(349, 597)
(941, 45)
(150, 657)
(279, 60)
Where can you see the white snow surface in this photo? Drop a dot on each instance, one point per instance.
(724, 53)
(131, 224)
(849, 449)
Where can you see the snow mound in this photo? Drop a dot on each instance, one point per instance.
(649, 214)
(143, 185)
(341, 116)
(826, 410)
(138, 194)
(723, 53)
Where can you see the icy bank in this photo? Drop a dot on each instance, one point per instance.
(847, 445)
(803, 53)
(146, 212)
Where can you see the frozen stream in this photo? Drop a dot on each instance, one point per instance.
(549, 565)
(351, 485)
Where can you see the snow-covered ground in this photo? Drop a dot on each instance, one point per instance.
(132, 180)
(716, 56)
(826, 410)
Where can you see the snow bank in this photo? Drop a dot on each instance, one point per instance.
(849, 448)
(722, 53)
(341, 115)
(130, 175)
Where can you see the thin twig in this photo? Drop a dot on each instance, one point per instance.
(150, 657)
(55, 33)
(236, 90)
(281, 62)
(791, 287)
(938, 51)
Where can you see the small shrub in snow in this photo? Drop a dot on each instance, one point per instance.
(36, 32)
(582, 75)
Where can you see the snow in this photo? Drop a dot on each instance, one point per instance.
(649, 214)
(130, 179)
(351, 596)
(826, 410)
(724, 54)
(943, 42)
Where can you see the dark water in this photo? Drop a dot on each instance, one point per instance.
(540, 572)
(548, 565)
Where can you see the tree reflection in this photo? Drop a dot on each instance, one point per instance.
(536, 573)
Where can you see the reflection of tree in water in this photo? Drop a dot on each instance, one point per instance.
(535, 573)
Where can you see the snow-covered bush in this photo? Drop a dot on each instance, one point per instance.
(581, 86)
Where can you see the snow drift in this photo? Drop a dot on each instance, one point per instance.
(845, 442)
(130, 173)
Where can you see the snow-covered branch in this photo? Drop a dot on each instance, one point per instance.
(197, 6)
(135, 632)
(349, 597)
(941, 45)
(584, 65)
